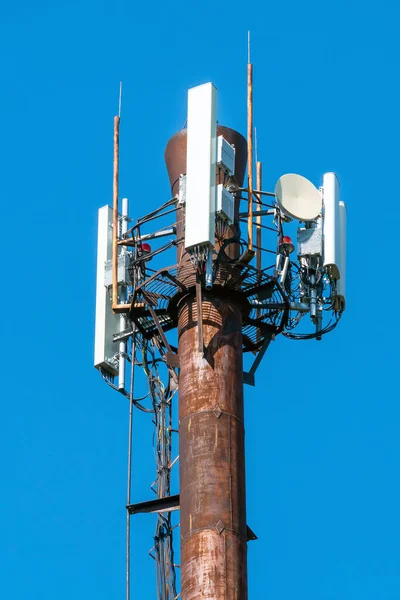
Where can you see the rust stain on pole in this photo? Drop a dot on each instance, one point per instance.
(211, 427)
(212, 469)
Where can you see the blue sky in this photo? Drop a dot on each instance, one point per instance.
(322, 424)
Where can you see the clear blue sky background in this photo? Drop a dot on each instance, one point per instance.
(322, 424)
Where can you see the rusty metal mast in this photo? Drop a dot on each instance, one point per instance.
(211, 432)
(211, 414)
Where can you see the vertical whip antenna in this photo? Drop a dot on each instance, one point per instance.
(258, 226)
(120, 99)
(250, 146)
(115, 216)
(258, 217)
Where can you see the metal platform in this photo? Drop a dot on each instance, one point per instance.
(158, 296)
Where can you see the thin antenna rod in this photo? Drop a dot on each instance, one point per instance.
(117, 308)
(258, 231)
(248, 48)
(250, 147)
(115, 215)
(120, 99)
(258, 217)
(256, 152)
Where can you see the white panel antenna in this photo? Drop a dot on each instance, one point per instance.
(225, 155)
(225, 204)
(332, 248)
(107, 323)
(341, 284)
(201, 167)
(298, 198)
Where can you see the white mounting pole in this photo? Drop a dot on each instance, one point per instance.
(284, 270)
(123, 320)
(209, 281)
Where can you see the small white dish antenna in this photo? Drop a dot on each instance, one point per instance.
(298, 198)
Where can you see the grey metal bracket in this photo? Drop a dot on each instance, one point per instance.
(123, 335)
(259, 213)
(159, 505)
(249, 379)
(251, 536)
(169, 504)
(157, 234)
(249, 376)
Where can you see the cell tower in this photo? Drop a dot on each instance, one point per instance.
(227, 292)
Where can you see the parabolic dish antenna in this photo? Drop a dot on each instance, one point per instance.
(297, 197)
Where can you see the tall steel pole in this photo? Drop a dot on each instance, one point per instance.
(212, 467)
(211, 425)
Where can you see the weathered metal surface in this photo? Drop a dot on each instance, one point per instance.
(212, 469)
(208, 562)
(175, 159)
(211, 428)
(175, 155)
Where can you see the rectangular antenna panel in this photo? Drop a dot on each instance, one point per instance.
(182, 190)
(124, 262)
(107, 323)
(225, 207)
(201, 163)
(332, 250)
(309, 242)
(225, 155)
(341, 284)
